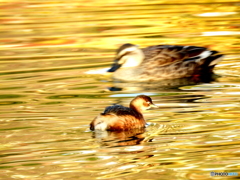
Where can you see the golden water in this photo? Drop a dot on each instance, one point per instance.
(49, 95)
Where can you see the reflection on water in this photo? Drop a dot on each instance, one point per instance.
(52, 86)
(120, 138)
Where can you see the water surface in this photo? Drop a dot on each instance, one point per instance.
(51, 54)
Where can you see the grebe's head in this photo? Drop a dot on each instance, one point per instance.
(142, 102)
(128, 55)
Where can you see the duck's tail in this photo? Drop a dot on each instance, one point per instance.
(207, 59)
(210, 61)
(214, 60)
(203, 57)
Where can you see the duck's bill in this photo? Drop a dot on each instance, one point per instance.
(114, 67)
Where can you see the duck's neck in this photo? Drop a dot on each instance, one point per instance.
(140, 55)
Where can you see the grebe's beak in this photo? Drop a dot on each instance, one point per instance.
(152, 106)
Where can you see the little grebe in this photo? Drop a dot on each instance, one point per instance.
(120, 118)
(162, 62)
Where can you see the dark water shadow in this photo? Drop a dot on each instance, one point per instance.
(119, 138)
(163, 84)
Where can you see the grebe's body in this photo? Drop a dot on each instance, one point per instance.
(120, 118)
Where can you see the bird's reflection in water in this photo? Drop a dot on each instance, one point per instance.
(164, 84)
(120, 138)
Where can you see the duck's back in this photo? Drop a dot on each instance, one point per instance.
(170, 62)
(118, 117)
(168, 54)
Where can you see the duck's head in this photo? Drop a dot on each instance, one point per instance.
(141, 103)
(128, 55)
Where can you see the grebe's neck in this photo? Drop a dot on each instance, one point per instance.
(135, 108)
(138, 111)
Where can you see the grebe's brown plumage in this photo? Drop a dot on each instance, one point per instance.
(160, 62)
(120, 118)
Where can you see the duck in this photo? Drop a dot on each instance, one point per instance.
(120, 118)
(162, 62)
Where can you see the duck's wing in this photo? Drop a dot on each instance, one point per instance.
(167, 54)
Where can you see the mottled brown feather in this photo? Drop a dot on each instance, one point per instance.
(167, 54)
(164, 62)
